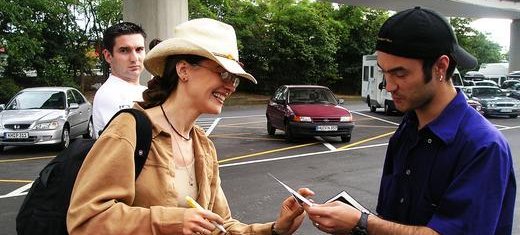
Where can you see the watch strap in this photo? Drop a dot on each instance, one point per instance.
(362, 225)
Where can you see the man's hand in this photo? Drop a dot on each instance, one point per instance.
(334, 217)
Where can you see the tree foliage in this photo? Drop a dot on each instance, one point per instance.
(476, 43)
(280, 41)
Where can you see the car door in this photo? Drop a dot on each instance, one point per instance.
(85, 109)
(73, 115)
(278, 105)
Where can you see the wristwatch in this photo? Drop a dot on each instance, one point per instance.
(273, 231)
(361, 227)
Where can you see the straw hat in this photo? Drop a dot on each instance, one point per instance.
(203, 37)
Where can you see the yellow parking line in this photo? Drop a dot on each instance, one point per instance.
(15, 181)
(366, 140)
(246, 138)
(266, 152)
(25, 159)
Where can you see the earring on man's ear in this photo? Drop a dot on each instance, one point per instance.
(440, 78)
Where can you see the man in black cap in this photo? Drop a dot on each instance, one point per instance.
(447, 169)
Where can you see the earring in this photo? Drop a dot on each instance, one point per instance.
(440, 78)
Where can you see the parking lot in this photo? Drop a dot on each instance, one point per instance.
(247, 153)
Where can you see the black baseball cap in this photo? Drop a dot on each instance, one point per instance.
(422, 33)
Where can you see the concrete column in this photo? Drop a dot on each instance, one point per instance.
(514, 46)
(157, 17)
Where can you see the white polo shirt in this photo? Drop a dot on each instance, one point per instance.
(115, 94)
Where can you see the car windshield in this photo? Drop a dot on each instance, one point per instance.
(38, 100)
(311, 96)
(487, 91)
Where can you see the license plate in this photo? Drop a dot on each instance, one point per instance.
(16, 135)
(326, 128)
(506, 110)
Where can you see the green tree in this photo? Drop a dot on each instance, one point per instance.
(476, 43)
(35, 35)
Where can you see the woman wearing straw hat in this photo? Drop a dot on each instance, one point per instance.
(194, 73)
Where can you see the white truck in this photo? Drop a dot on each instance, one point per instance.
(373, 85)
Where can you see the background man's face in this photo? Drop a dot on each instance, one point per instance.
(126, 59)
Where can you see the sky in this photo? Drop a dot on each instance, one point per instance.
(498, 30)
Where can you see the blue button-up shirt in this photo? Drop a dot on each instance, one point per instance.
(455, 175)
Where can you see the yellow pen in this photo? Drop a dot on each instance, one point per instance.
(194, 204)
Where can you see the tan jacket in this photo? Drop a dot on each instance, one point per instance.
(107, 200)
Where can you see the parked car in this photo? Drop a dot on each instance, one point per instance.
(508, 85)
(485, 83)
(45, 115)
(514, 92)
(308, 110)
(494, 101)
(473, 103)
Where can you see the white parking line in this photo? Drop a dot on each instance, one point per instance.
(18, 192)
(376, 118)
(325, 143)
(210, 129)
(299, 155)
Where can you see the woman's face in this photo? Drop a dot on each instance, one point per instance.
(207, 88)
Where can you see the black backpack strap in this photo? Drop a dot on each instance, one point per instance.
(144, 137)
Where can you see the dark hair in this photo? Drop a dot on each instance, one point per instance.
(428, 65)
(114, 31)
(160, 87)
(153, 43)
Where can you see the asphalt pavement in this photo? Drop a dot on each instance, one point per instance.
(247, 154)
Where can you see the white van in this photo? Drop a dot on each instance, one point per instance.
(372, 86)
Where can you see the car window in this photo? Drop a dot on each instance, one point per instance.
(485, 91)
(37, 100)
(311, 95)
(70, 97)
(281, 94)
(79, 98)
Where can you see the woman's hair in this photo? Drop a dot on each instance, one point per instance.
(153, 43)
(160, 87)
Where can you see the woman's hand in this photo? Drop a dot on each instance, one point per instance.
(197, 221)
(291, 214)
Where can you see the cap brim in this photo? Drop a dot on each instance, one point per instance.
(155, 59)
(463, 58)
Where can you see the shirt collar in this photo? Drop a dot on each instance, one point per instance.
(445, 126)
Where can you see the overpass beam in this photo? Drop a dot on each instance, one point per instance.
(514, 46)
(157, 17)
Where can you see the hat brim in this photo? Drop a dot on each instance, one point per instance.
(463, 58)
(156, 58)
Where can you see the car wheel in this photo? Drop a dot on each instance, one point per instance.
(513, 115)
(289, 136)
(65, 138)
(90, 130)
(388, 111)
(345, 138)
(373, 109)
(1, 148)
(270, 129)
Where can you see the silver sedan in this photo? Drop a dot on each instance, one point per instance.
(45, 115)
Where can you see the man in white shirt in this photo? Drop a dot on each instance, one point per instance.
(124, 50)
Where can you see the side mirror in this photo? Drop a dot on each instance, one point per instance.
(381, 86)
(74, 106)
(341, 101)
(2, 107)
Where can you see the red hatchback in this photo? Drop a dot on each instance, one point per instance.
(308, 110)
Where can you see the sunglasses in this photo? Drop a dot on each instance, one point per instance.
(225, 76)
